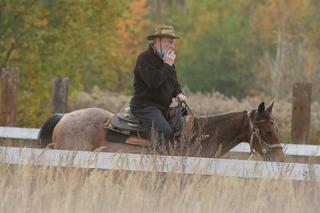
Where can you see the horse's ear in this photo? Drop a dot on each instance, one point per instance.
(261, 107)
(269, 108)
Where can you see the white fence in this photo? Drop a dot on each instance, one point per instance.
(19, 133)
(289, 149)
(183, 165)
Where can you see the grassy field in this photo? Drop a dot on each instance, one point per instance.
(44, 189)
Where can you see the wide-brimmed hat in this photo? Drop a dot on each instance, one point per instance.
(163, 31)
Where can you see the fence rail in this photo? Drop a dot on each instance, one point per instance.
(165, 164)
(19, 133)
(289, 149)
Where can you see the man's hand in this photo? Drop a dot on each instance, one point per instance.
(181, 98)
(170, 57)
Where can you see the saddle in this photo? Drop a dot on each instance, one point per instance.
(126, 123)
(124, 127)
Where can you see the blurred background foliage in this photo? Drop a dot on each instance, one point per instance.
(239, 48)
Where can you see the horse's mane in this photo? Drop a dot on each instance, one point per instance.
(218, 118)
(205, 124)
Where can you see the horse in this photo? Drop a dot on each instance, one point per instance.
(85, 130)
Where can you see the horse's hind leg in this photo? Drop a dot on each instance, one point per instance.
(57, 137)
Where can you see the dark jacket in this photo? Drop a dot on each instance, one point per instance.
(155, 82)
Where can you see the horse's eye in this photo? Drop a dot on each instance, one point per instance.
(269, 132)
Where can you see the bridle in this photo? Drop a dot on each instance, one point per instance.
(265, 147)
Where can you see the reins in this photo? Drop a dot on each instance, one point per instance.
(180, 114)
(188, 108)
(265, 147)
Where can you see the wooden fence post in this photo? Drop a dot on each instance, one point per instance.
(9, 88)
(301, 112)
(60, 94)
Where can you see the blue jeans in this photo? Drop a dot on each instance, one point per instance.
(151, 116)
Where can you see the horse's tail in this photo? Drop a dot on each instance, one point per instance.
(45, 134)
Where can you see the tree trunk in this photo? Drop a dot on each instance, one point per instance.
(301, 112)
(9, 88)
(60, 95)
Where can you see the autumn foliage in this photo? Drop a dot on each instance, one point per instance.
(236, 47)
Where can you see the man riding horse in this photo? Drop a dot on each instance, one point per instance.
(156, 83)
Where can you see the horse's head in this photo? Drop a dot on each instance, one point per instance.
(264, 134)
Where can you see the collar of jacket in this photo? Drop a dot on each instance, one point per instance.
(155, 51)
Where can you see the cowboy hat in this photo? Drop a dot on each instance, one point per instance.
(163, 31)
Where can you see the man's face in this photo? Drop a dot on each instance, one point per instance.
(166, 44)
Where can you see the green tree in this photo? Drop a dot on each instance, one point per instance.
(284, 33)
(217, 48)
(57, 38)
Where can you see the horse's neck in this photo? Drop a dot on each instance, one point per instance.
(225, 131)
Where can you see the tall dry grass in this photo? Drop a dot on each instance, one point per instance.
(47, 189)
(44, 189)
(208, 104)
